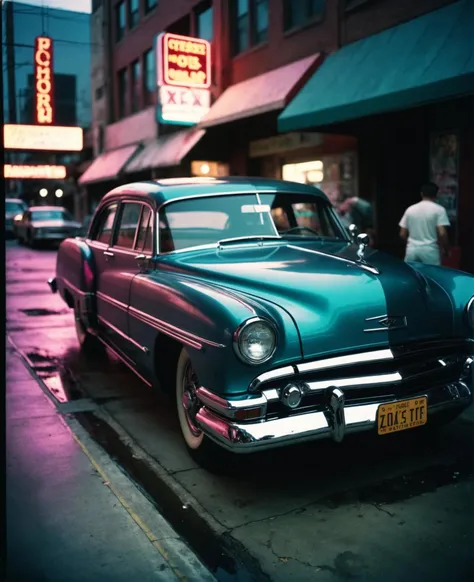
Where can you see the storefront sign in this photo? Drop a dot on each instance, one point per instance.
(444, 170)
(44, 80)
(183, 61)
(24, 172)
(183, 105)
(183, 65)
(37, 137)
(284, 143)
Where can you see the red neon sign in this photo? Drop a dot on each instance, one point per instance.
(184, 61)
(44, 112)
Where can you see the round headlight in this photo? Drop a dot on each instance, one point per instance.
(470, 312)
(255, 341)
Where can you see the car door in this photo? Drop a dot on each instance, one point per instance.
(142, 334)
(100, 237)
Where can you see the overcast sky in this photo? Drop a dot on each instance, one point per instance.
(76, 5)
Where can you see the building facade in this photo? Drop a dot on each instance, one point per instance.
(265, 54)
(22, 23)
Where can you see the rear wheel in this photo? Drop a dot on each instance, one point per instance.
(87, 341)
(204, 451)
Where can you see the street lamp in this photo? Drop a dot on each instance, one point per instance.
(58, 193)
(43, 192)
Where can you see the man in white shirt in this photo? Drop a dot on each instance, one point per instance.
(423, 227)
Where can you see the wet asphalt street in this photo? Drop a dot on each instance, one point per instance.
(370, 509)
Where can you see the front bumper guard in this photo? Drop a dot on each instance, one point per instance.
(336, 421)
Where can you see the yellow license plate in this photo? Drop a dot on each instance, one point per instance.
(402, 415)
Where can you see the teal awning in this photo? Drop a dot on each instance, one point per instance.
(427, 59)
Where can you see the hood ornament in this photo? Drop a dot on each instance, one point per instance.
(363, 242)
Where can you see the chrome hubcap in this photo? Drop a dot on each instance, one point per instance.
(189, 399)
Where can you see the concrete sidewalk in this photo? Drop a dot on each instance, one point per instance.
(72, 515)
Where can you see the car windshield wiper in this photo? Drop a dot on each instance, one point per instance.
(243, 239)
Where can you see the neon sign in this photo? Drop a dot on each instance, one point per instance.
(37, 137)
(184, 78)
(38, 172)
(184, 61)
(44, 80)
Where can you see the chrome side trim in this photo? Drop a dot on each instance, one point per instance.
(112, 301)
(338, 361)
(122, 359)
(185, 337)
(122, 334)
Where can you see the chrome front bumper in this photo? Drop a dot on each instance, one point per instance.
(217, 417)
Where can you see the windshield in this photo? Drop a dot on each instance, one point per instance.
(208, 220)
(50, 215)
(14, 207)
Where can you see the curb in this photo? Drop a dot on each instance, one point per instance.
(181, 560)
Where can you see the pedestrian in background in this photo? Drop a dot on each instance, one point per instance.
(423, 228)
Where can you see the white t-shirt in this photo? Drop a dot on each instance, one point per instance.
(421, 220)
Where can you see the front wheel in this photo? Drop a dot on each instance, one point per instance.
(204, 451)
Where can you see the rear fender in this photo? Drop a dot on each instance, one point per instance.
(75, 277)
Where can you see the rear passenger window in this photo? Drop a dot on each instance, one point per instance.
(145, 232)
(127, 226)
(103, 231)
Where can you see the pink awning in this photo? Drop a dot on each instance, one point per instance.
(166, 151)
(270, 91)
(108, 165)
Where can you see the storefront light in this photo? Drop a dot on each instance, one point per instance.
(43, 192)
(58, 193)
(301, 172)
(205, 169)
(315, 176)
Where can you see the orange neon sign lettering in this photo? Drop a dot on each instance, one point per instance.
(34, 172)
(44, 80)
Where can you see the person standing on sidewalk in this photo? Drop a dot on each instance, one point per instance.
(423, 228)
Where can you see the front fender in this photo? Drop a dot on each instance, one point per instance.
(459, 287)
(204, 316)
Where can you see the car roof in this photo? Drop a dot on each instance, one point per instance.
(162, 191)
(17, 200)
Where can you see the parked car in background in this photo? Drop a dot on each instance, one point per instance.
(249, 302)
(46, 224)
(13, 208)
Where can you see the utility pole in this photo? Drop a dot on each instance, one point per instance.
(10, 41)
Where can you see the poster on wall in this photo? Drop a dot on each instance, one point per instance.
(444, 170)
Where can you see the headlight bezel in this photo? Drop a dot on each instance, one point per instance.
(470, 313)
(238, 334)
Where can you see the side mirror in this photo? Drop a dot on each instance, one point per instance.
(143, 261)
(353, 231)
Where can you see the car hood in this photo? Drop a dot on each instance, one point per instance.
(55, 224)
(330, 296)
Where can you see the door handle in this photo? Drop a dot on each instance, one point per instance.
(108, 254)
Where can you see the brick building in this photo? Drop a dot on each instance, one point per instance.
(267, 58)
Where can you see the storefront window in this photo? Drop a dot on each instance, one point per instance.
(149, 77)
(300, 12)
(122, 93)
(204, 24)
(444, 172)
(334, 175)
(119, 21)
(136, 86)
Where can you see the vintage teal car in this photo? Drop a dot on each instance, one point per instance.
(267, 320)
